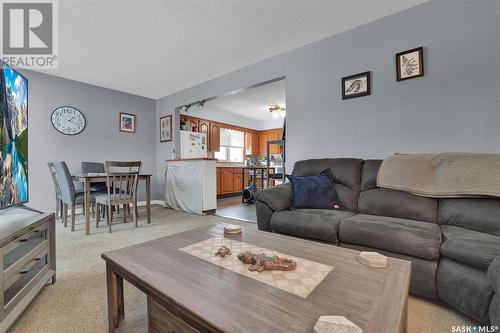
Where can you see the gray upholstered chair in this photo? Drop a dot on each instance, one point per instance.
(69, 196)
(59, 210)
(122, 179)
(94, 167)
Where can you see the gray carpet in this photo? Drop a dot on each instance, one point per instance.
(77, 302)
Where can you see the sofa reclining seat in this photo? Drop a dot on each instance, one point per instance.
(450, 242)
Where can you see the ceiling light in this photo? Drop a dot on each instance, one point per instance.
(200, 104)
(277, 111)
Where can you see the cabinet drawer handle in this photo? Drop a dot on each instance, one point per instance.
(27, 270)
(23, 240)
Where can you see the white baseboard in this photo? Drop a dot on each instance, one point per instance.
(79, 210)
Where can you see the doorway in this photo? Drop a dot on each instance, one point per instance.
(250, 144)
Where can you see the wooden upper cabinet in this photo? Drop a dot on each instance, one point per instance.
(248, 143)
(214, 143)
(251, 143)
(274, 135)
(263, 142)
(205, 128)
(255, 141)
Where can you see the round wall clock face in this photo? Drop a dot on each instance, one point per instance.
(68, 120)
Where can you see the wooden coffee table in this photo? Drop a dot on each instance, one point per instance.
(186, 293)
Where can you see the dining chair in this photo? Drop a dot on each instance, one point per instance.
(59, 204)
(121, 182)
(97, 167)
(70, 197)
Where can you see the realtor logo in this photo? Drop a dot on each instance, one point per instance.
(29, 33)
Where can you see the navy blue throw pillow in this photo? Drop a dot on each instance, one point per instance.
(314, 191)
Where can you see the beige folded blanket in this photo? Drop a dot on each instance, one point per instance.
(442, 175)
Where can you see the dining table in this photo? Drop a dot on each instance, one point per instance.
(89, 178)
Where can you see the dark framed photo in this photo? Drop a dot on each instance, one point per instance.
(166, 128)
(410, 64)
(127, 122)
(356, 85)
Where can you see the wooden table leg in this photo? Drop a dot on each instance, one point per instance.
(116, 308)
(148, 198)
(86, 188)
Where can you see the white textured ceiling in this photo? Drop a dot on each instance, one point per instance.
(154, 48)
(252, 103)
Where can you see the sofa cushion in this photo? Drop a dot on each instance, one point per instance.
(319, 224)
(414, 238)
(469, 247)
(475, 214)
(314, 191)
(465, 288)
(346, 174)
(423, 272)
(494, 275)
(369, 174)
(398, 204)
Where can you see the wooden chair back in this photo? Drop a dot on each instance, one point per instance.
(122, 179)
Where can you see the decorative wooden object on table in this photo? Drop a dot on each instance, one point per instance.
(373, 259)
(261, 262)
(335, 324)
(28, 257)
(190, 297)
(223, 251)
(121, 182)
(88, 179)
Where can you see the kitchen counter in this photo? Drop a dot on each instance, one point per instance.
(191, 185)
(192, 159)
(244, 167)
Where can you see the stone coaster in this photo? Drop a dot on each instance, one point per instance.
(335, 324)
(231, 228)
(373, 259)
(300, 282)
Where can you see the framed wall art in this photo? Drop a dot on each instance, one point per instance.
(356, 85)
(166, 128)
(410, 64)
(127, 122)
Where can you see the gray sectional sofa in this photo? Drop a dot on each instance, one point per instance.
(450, 242)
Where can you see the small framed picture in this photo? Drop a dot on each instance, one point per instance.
(166, 128)
(356, 85)
(410, 64)
(127, 122)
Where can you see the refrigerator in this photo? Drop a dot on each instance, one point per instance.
(193, 144)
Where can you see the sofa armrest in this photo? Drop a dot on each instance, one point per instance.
(494, 279)
(494, 274)
(277, 197)
(269, 201)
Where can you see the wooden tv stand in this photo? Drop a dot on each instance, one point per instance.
(27, 259)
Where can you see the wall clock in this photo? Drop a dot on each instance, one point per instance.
(68, 120)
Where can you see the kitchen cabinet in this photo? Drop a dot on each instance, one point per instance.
(237, 180)
(251, 143)
(226, 177)
(263, 137)
(214, 143)
(219, 186)
(269, 135)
